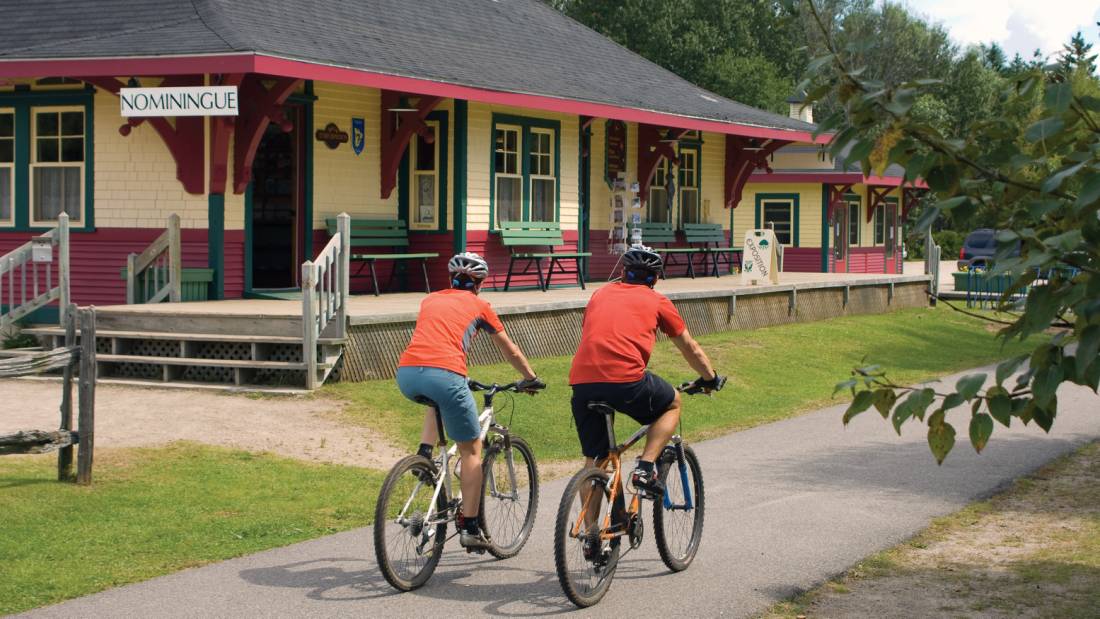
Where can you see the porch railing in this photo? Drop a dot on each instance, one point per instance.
(325, 288)
(156, 274)
(46, 269)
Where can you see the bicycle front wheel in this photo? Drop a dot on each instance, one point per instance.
(584, 555)
(509, 496)
(408, 533)
(678, 515)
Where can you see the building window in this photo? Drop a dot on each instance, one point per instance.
(57, 164)
(541, 172)
(690, 207)
(7, 167)
(855, 222)
(657, 206)
(509, 176)
(425, 178)
(779, 215)
(880, 225)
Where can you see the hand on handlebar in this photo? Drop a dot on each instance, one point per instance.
(530, 386)
(701, 385)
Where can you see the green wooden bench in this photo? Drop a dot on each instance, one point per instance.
(711, 240)
(654, 233)
(381, 234)
(522, 236)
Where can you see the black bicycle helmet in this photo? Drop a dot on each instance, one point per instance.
(642, 257)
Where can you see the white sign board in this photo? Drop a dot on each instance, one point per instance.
(42, 249)
(759, 260)
(179, 101)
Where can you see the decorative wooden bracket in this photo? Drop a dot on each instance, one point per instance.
(260, 105)
(876, 196)
(651, 149)
(909, 198)
(396, 135)
(743, 156)
(836, 195)
(184, 140)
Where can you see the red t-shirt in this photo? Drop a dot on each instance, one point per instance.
(620, 328)
(445, 327)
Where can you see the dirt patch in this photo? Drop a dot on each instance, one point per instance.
(302, 427)
(1033, 551)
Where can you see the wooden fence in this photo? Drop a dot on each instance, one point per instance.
(68, 359)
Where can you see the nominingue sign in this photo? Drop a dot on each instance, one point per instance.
(179, 101)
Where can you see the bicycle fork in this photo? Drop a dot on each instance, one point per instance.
(675, 452)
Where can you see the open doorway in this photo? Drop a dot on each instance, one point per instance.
(278, 191)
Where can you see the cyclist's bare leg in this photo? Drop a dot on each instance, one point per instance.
(661, 431)
(470, 457)
(429, 432)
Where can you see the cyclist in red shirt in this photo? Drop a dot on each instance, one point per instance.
(433, 369)
(619, 330)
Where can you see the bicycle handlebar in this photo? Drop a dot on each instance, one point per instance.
(496, 387)
(694, 387)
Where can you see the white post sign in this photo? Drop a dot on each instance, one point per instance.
(179, 101)
(759, 260)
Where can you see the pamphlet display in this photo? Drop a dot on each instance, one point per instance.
(759, 261)
(624, 227)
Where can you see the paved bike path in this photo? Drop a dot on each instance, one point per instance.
(789, 504)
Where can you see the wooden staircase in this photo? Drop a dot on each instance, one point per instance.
(214, 350)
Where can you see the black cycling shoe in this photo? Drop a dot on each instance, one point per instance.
(647, 482)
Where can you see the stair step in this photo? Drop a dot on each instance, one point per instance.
(162, 335)
(191, 361)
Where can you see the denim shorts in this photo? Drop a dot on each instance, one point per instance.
(449, 392)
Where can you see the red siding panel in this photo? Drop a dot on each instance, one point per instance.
(802, 259)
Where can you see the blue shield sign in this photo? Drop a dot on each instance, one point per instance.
(358, 135)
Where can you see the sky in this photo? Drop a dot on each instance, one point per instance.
(1018, 25)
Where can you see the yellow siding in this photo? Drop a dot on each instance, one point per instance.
(713, 169)
(809, 209)
(801, 161)
(480, 128)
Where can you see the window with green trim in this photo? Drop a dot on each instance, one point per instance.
(425, 178)
(7, 166)
(880, 225)
(690, 205)
(779, 214)
(57, 164)
(854, 221)
(541, 172)
(658, 210)
(509, 175)
(526, 169)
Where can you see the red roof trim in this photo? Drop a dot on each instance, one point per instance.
(254, 63)
(843, 178)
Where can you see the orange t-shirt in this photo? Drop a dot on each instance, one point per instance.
(619, 330)
(445, 327)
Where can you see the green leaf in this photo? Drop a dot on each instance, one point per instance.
(884, 401)
(844, 386)
(1054, 181)
(1000, 407)
(913, 406)
(1045, 383)
(1087, 349)
(968, 386)
(941, 438)
(950, 203)
(902, 101)
(861, 403)
(819, 62)
(929, 215)
(1091, 103)
(1044, 415)
(951, 401)
(981, 427)
(1044, 129)
(1009, 367)
(1090, 192)
(1058, 97)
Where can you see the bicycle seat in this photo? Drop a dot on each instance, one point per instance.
(425, 401)
(601, 407)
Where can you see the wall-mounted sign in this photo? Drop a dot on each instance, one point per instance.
(179, 101)
(358, 135)
(615, 150)
(42, 249)
(332, 136)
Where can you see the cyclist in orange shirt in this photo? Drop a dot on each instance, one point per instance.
(617, 337)
(433, 369)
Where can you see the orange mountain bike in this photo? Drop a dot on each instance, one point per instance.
(596, 514)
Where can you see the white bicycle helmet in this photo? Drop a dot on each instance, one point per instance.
(469, 264)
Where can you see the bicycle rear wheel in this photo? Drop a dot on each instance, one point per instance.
(678, 515)
(509, 496)
(585, 561)
(406, 545)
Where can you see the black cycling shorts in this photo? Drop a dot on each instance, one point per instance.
(644, 401)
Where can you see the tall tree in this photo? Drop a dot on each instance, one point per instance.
(1075, 54)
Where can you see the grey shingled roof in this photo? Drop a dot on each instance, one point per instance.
(518, 46)
(840, 163)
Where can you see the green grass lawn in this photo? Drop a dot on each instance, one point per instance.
(155, 511)
(775, 372)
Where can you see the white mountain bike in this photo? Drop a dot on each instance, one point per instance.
(417, 500)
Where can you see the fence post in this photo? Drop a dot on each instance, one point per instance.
(343, 225)
(309, 323)
(175, 266)
(86, 390)
(63, 264)
(65, 456)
